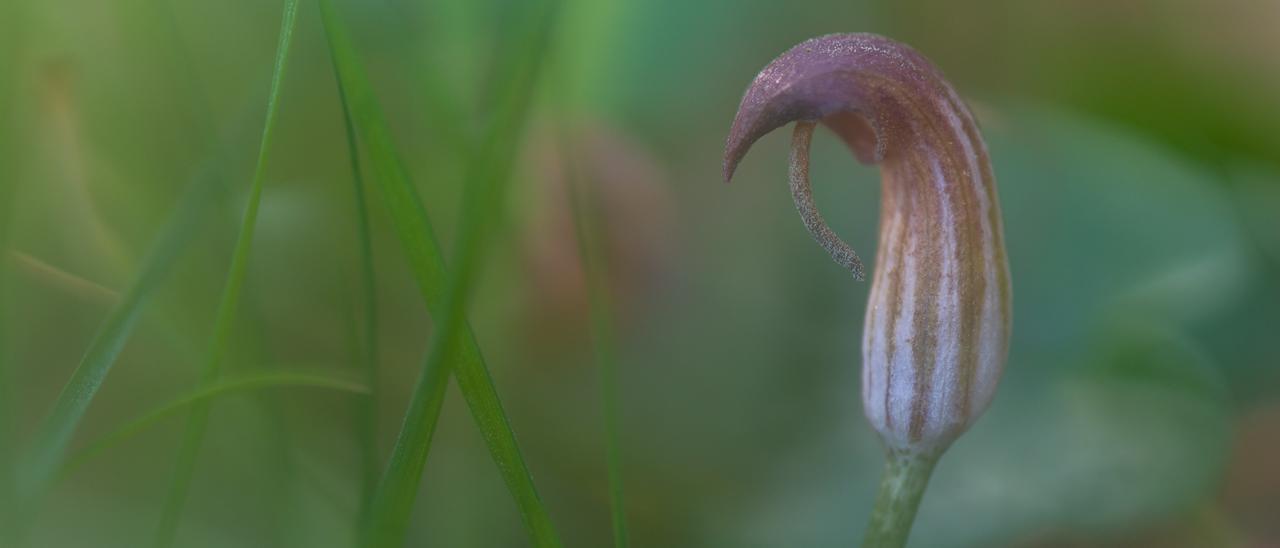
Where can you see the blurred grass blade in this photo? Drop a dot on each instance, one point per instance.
(388, 516)
(198, 420)
(442, 112)
(581, 194)
(180, 67)
(595, 273)
(62, 280)
(50, 444)
(204, 396)
(484, 193)
(367, 341)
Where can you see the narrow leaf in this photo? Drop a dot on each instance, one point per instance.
(602, 333)
(454, 348)
(204, 396)
(198, 420)
(367, 341)
(50, 444)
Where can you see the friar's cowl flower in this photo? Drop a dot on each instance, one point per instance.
(938, 318)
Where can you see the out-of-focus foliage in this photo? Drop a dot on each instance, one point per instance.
(1137, 150)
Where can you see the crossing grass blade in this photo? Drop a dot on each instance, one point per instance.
(454, 348)
(198, 419)
(204, 396)
(367, 340)
(49, 446)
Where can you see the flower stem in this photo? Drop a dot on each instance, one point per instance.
(905, 477)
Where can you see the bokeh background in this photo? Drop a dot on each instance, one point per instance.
(1137, 150)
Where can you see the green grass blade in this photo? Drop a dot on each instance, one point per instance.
(595, 272)
(587, 232)
(388, 516)
(205, 396)
(483, 197)
(198, 420)
(367, 342)
(389, 510)
(48, 448)
(181, 66)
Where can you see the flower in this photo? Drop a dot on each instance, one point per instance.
(938, 319)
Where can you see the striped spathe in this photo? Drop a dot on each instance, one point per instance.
(938, 318)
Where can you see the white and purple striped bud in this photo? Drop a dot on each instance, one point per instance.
(938, 318)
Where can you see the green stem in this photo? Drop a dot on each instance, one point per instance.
(905, 478)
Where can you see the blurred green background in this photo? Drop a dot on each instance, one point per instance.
(1136, 145)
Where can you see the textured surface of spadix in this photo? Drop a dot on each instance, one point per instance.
(937, 322)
